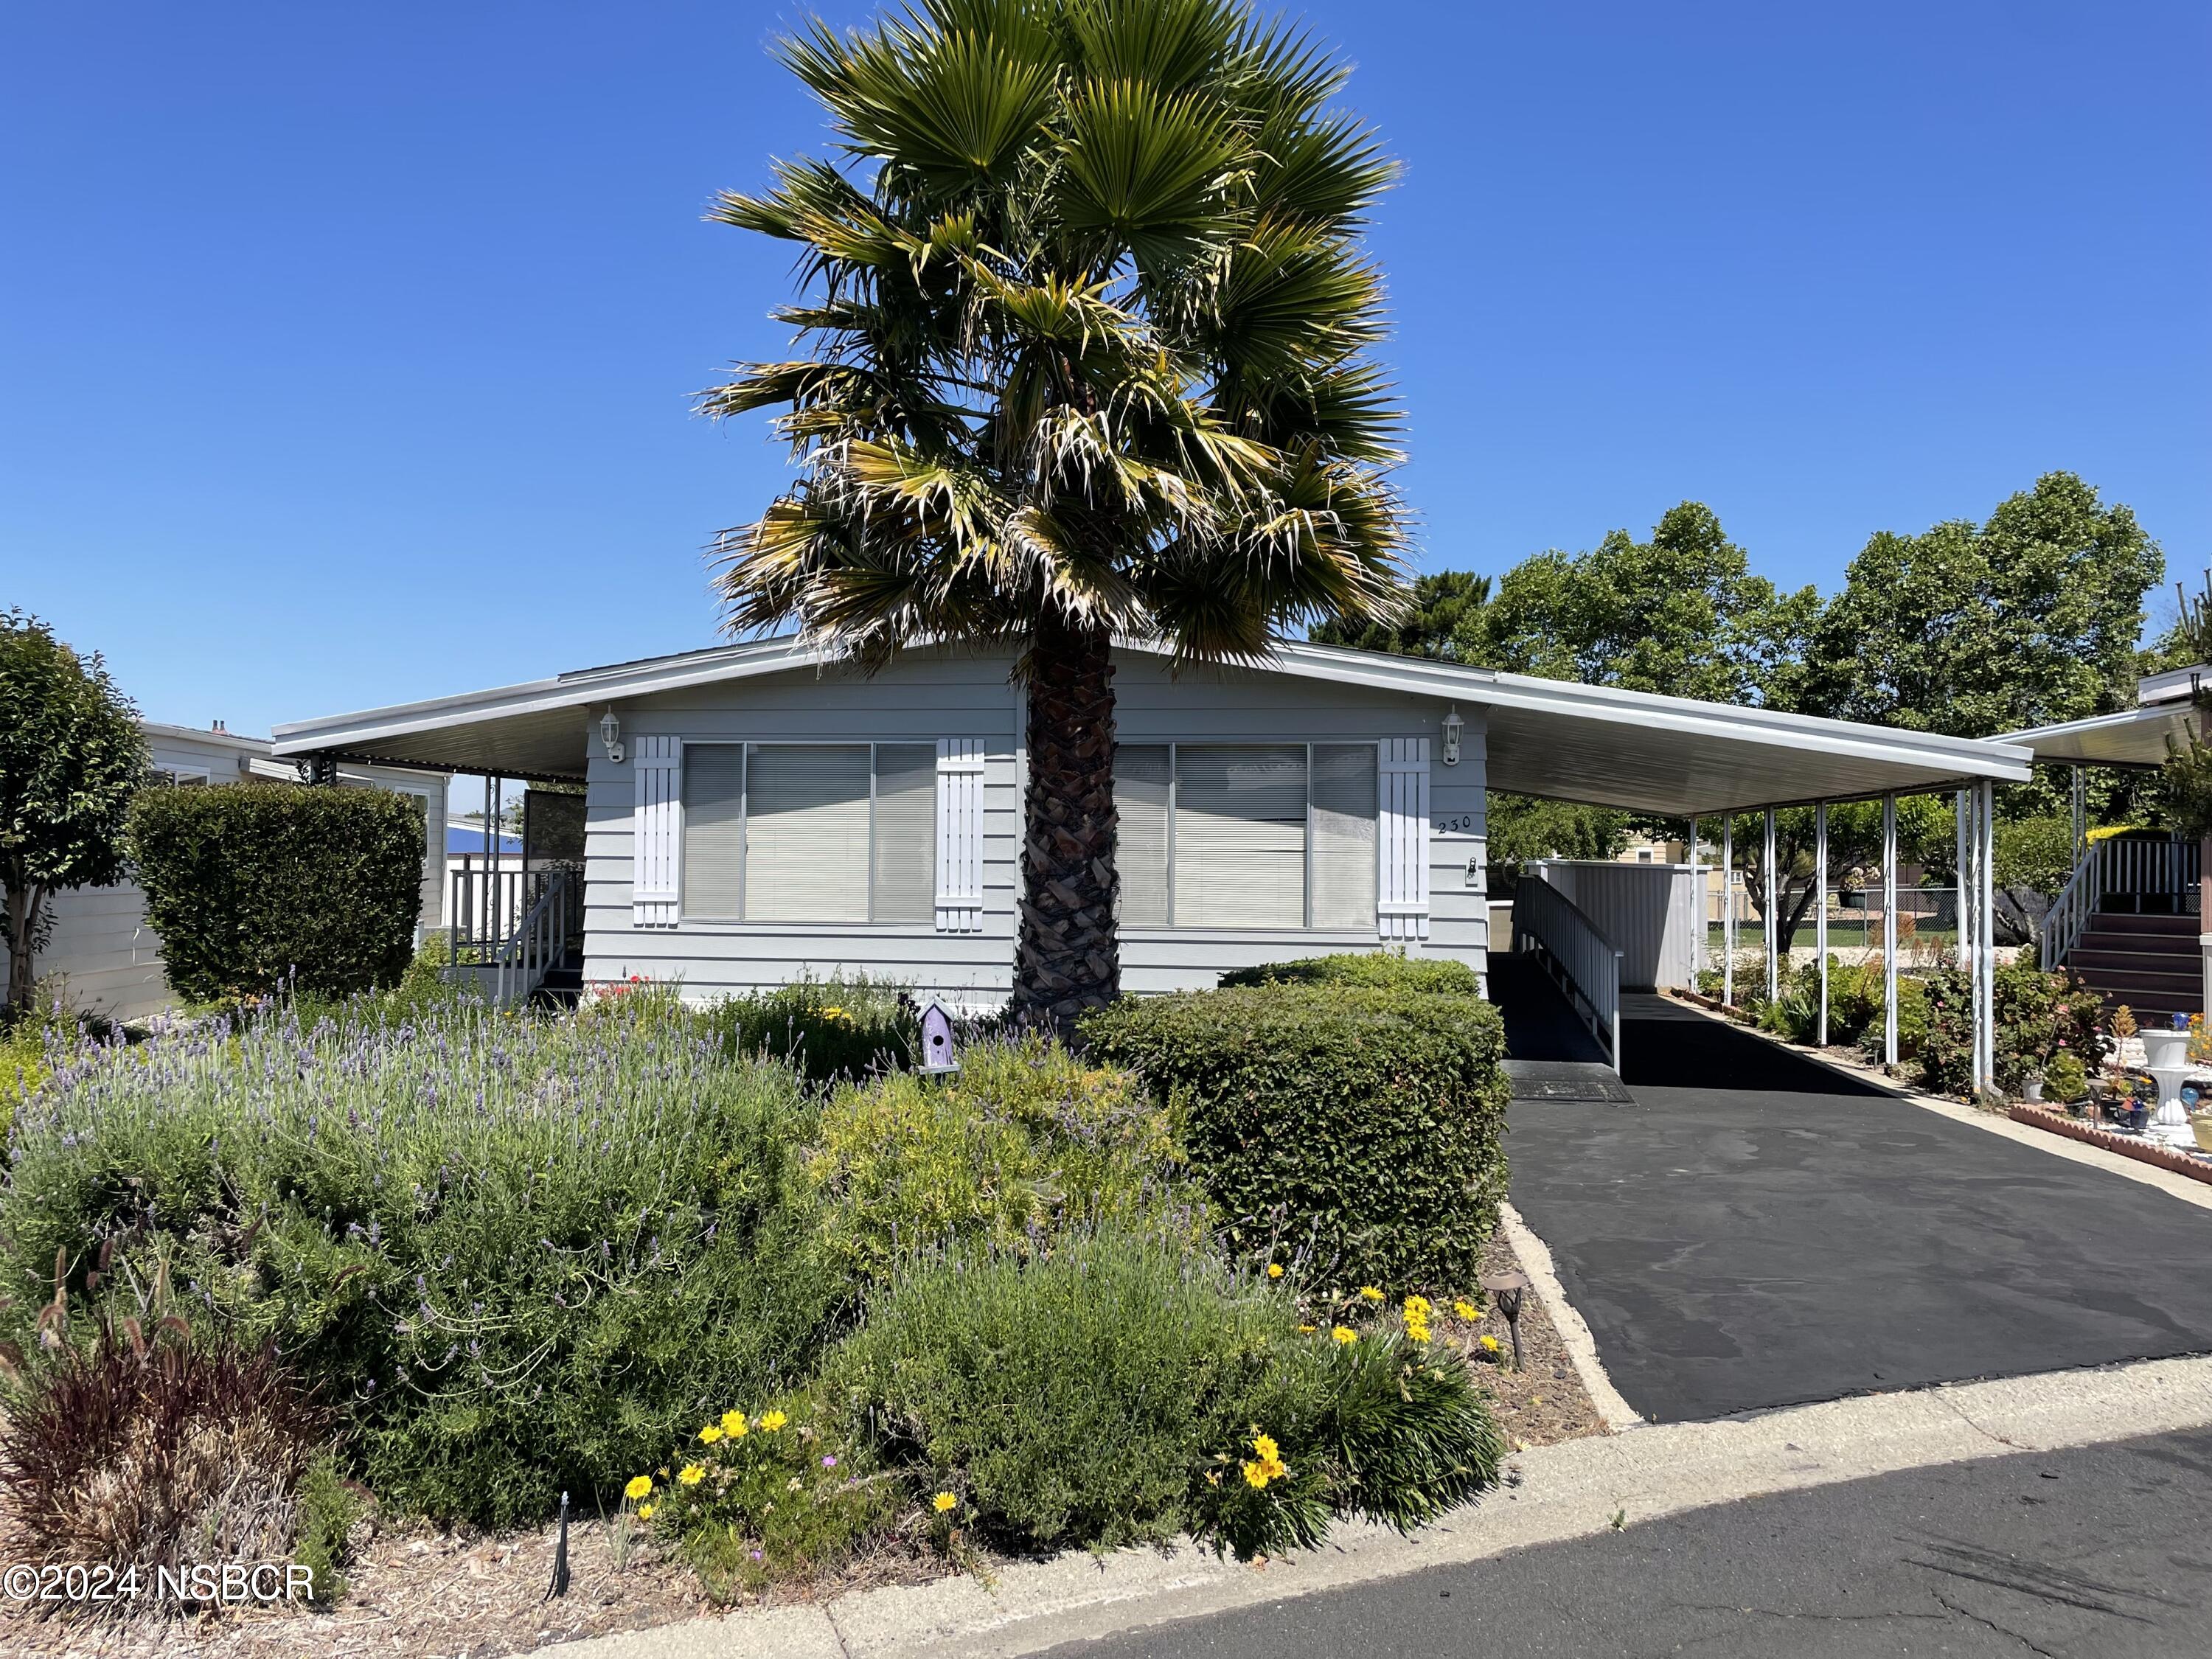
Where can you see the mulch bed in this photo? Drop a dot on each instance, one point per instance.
(441, 1595)
(1544, 1402)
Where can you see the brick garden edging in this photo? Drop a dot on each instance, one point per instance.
(2142, 1152)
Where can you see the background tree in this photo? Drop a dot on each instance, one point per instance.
(1083, 351)
(1680, 615)
(1443, 604)
(2027, 619)
(71, 756)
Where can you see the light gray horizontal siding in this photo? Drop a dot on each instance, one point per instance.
(926, 695)
(921, 698)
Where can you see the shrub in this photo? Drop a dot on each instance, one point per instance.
(1023, 1142)
(518, 1255)
(830, 1029)
(1360, 1125)
(1855, 1002)
(2038, 1016)
(330, 1508)
(175, 1451)
(2066, 1079)
(1750, 980)
(1911, 1024)
(255, 888)
(1122, 1388)
(762, 1493)
(1368, 968)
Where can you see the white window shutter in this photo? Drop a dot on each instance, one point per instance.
(1402, 843)
(960, 835)
(657, 832)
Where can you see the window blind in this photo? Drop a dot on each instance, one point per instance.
(1240, 835)
(1140, 857)
(713, 830)
(807, 842)
(1344, 853)
(906, 832)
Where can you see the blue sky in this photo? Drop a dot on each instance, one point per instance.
(346, 352)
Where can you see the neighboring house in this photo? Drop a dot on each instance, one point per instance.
(755, 814)
(100, 946)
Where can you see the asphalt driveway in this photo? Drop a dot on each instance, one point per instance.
(1753, 1230)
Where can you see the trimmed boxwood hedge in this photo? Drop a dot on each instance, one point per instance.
(1357, 1127)
(1364, 967)
(256, 886)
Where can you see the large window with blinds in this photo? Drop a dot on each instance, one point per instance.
(810, 832)
(1247, 835)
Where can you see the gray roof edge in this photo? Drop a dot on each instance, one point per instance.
(1976, 757)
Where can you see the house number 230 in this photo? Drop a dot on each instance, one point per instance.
(1460, 823)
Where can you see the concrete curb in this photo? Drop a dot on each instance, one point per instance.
(2187, 1188)
(1577, 1489)
(1535, 1257)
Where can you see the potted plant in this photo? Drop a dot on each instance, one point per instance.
(2031, 1088)
(2066, 1079)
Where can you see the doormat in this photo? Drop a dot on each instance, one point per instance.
(1567, 1080)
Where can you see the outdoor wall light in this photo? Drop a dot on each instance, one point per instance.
(1452, 727)
(611, 735)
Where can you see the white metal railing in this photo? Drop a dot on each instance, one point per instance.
(539, 943)
(2134, 867)
(1578, 956)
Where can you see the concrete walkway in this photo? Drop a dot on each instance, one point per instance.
(1756, 1229)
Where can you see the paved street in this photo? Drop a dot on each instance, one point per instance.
(2103, 1552)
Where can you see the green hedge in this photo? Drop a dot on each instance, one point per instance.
(1357, 1127)
(1369, 968)
(256, 886)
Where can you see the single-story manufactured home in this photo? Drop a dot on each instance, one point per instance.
(755, 812)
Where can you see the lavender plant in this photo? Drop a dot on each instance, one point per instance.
(518, 1254)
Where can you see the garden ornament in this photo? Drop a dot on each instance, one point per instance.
(939, 1054)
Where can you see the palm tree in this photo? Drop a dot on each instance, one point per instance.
(1081, 354)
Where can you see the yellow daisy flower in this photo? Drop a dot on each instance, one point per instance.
(773, 1420)
(1369, 1293)
(641, 1486)
(692, 1474)
(1265, 1445)
(1490, 1344)
(711, 1433)
(1274, 1270)
(1467, 1309)
(733, 1425)
(645, 1511)
(1254, 1476)
(1345, 1334)
(943, 1503)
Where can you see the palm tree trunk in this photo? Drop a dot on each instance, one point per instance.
(1068, 961)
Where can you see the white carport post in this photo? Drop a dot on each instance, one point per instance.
(1773, 913)
(1985, 932)
(1697, 909)
(1889, 929)
(1728, 910)
(1821, 910)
